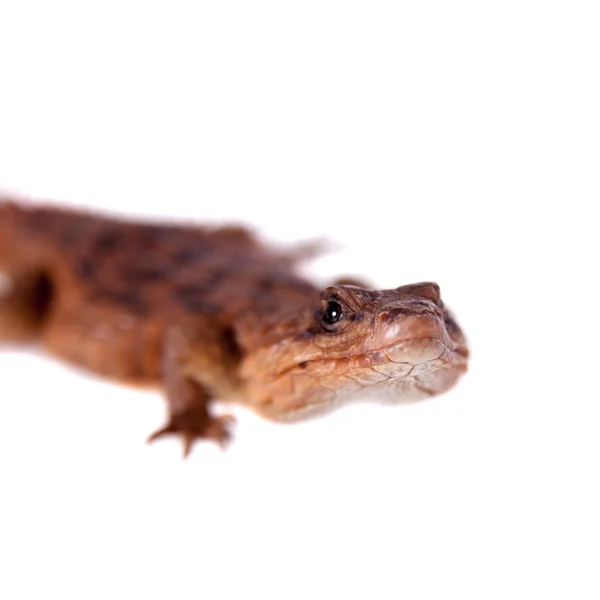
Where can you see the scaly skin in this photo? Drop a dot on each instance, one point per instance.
(211, 313)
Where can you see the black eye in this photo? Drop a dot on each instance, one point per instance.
(332, 313)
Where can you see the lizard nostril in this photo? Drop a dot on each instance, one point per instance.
(387, 316)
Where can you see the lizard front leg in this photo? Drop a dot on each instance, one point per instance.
(197, 365)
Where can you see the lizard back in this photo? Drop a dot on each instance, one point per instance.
(104, 284)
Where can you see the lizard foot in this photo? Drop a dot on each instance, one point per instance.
(193, 425)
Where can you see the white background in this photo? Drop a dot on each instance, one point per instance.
(448, 141)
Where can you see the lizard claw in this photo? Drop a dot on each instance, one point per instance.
(196, 426)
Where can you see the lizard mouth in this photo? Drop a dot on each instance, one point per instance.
(407, 341)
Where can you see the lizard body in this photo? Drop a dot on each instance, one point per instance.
(211, 313)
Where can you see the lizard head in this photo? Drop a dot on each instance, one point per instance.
(401, 341)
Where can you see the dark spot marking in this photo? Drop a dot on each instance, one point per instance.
(193, 298)
(262, 291)
(204, 287)
(127, 298)
(213, 280)
(151, 234)
(265, 285)
(71, 236)
(141, 273)
(86, 268)
(190, 255)
(107, 241)
(303, 365)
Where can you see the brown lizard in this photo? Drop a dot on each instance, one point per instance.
(212, 313)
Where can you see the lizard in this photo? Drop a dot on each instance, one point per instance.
(211, 313)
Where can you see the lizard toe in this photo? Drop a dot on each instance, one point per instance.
(193, 426)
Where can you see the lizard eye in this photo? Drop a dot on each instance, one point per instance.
(332, 313)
